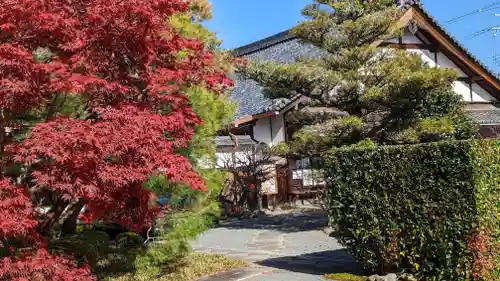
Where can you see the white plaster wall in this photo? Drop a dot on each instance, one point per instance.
(232, 159)
(278, 129)
(445, 62)
(262, 130)
(480, 95)
(242, 157)
(409, 38)
(462, 88)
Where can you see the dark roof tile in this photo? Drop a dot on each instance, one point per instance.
(485, 117)
(248, 93)
(228, 141)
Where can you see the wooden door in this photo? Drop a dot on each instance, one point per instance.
(282, 178)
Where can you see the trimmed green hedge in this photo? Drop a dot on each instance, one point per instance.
(431, 209)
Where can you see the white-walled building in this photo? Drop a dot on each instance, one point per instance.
(264, 120)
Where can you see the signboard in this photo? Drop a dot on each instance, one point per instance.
(270, 187)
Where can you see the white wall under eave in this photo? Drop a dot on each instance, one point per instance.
(444, 61)
(262, 130)
(270, 130)
(462, 88)
(480, 95)
(469, 94)
(224, 159)
(278, 129)
(408, 38)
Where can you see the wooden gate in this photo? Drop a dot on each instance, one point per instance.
(282, 179)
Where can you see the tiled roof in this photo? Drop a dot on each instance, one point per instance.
(228, 141)
(283, 48)
(265, 43)
(485, 117)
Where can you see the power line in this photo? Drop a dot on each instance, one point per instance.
(494, 58)
(486, 8)
(480, 32)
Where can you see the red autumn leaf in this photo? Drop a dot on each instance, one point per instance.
(42, 266)
(121, 57)
(17, 217)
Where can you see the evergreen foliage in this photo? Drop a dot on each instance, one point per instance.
(428, 209)
(365, 91)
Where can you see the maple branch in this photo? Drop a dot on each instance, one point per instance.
(148, 237)
(51, 107)
(52, 217)
(2, 138)
(67, 211)
(69, 219)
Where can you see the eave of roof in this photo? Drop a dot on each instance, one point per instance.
(278, 110)
(221, 141)
(487, 71)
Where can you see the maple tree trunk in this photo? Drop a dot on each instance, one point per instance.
(52, 217)
(2, 139)
(70, 223)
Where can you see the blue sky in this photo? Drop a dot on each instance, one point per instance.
(239, 22)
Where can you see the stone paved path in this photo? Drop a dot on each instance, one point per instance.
(290, 246)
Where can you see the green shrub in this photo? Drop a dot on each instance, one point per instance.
(88, 246)
(430, 209)
(129, 240)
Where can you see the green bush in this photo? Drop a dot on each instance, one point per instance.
(88, 246)
(431, 209)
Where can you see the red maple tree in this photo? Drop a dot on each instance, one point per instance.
(129, 68)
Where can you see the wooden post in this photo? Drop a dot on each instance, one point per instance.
(291, 164)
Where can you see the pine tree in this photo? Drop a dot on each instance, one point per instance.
(354, 92)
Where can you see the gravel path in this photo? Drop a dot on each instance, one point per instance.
(290, 246)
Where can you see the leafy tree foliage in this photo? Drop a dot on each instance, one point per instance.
(249, 166)
(98, 97)
(407, 208)
(42, 266)
(355, 91)
(191, 212)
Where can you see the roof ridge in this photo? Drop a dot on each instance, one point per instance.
(264, 43)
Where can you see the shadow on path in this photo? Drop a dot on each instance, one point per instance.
(286, 222)
(320, 263)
